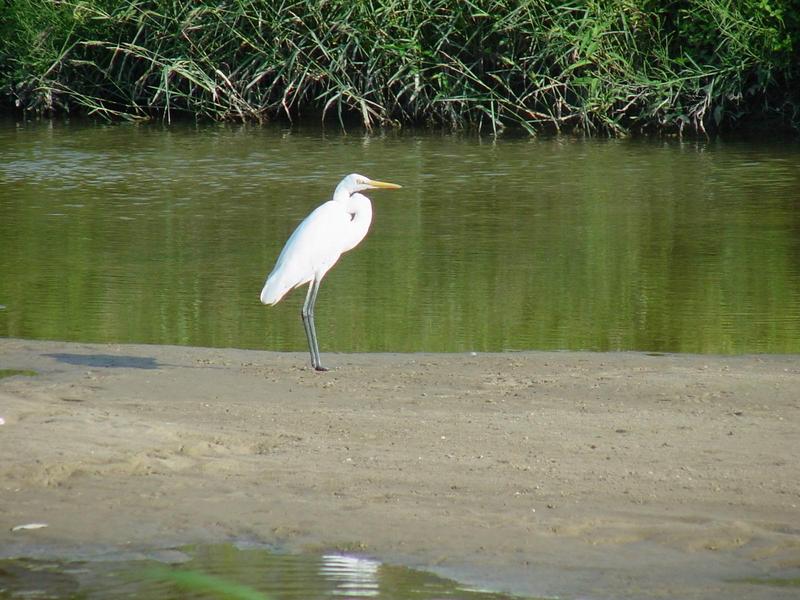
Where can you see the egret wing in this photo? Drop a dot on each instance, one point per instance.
(312, 249)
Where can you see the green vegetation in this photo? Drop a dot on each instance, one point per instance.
(590, 65)
(15, 372)
(205, 585)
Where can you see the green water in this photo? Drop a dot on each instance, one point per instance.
(225, 571)
(165, 235)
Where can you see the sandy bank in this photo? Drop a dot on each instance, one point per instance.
(607, 475)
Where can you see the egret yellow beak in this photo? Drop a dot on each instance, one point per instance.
(383, 184)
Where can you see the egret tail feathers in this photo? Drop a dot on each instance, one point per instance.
(274, 289)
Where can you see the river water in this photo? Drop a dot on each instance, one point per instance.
(153, 234)
(226, 571)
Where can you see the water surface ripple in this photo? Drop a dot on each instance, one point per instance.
(165, 234)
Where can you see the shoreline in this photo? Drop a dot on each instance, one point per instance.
(601, 475)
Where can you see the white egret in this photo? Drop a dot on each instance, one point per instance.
(328, 232)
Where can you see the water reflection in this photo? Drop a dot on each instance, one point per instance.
(352, 576)
(165, 235)
(225, 571)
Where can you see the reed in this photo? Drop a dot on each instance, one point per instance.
(610, 66)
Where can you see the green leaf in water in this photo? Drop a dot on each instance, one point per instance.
(13, 372)
(209, 584)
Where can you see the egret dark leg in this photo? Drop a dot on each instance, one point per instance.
(308, 323)
(318, 365)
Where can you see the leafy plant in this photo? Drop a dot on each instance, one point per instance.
(593, 65)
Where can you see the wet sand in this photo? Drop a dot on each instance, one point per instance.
(600, 475)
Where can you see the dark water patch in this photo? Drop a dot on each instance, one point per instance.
(105, 360)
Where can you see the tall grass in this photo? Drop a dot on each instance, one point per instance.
(592, 65)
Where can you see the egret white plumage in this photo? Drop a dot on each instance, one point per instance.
(329, 231)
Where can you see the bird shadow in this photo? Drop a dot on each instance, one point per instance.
(106, 360)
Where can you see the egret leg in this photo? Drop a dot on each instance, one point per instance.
(318, 365)
(308, 323)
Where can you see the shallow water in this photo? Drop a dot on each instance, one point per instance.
(226, 571)
(165, 235)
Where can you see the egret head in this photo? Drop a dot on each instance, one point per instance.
(358, 183)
